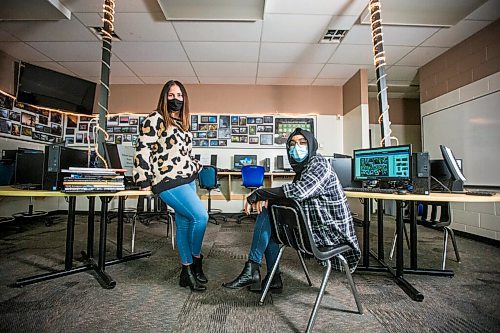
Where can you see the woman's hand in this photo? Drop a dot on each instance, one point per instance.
(257, 206)
(146, 188)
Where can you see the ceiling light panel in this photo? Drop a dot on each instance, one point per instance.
(213, 10)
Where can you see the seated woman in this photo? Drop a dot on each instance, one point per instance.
(318, 190)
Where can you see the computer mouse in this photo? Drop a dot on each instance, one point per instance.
(402, 191)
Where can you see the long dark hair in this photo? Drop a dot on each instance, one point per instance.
(162, 105)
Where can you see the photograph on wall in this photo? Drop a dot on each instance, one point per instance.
(252, 130)
(28, 119)
(268, 119)
(85, 118)
(194, 119)
(214, 143)
(132, 129)
(259, 120)
(37, 136)
(135, 140)
(43, 120)
(118, 139)
(142, 118)
(83, 126)
(133, 121)
(284, 126)
(69, 140)
(116, 129)
(4, 113)
(46, 129)
(26, 131)
(204, 119)
(224, 121)
(212, 119)
(204, 143)
(16, 130)
(212, 127)
(5, 126)
(224, 133)
(110, 129)
(127, 138)
(15, 116)
(6, 102)
(253, 140)
(266, 139)
(235, 130)
(243, 121)
(71, 121)
(124, 119)
(203, 127)
(194, 126)
(243, 130)
(79, 138)
(196, 143)
(234, 121)
(111, 121)
(56, 130)
(70, 131)
(235, 138)
(211, 134)
(222, 143)
(55, 117)
(110, 139)
(251, 120)
(39, 127)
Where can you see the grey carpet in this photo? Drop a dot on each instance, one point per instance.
(147, 297)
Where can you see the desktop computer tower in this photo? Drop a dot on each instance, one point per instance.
(58, 157)
(267, 164)
(213, 160)
(421, 173)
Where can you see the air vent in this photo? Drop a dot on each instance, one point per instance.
(333, 36)
(98, 32)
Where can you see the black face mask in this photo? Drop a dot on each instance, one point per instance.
(174, 105)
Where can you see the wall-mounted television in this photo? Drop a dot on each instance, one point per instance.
(47, 88)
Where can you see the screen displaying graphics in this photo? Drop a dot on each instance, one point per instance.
(242, 160)
(284, 126)
(384, 163)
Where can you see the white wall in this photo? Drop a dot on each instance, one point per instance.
(406, 134)
(476, 218)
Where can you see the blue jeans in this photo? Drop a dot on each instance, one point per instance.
(191, 220)
(262, 243)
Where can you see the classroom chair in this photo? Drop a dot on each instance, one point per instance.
(252, 177)
(207, 180)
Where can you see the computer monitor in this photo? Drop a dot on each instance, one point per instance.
(120, 157)
(384, 163)
(343, 169)
(451, 163)
(113, 156)
(242, 160)
(282, 163)
(29, 167)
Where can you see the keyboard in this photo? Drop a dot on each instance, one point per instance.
(481, 193)
(27, 186)
(370, 190)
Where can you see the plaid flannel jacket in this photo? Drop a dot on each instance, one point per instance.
(325, 205)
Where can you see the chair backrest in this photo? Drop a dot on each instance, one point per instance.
(252, 176)
(207, 177)
(289, 226)
(444, 213)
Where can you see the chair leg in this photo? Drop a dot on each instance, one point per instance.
(326, 275)
(354, 290)
(454, 241)
(305, 268)
(134, 222)
(445, 247)
(393, 246)
(275, 268)
(213, 220)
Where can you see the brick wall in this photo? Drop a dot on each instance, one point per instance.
(473, 59)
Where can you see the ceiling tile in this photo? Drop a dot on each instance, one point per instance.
(46, 31)
(222, 51)
(144, 27)
(164, 79)
(161, 69)
(225, 69)
(22, 51)
(395, 53)
(6, 37)
(125, 80)
(401, 73)
(421, 55)
(90, 19)
(284, 81)
(318, 7)
(54, 66)
(70, 51)
(358, 34)
(490, 11)
(130, 6)
(448, 37)
(343, 22)
(286, 28)
(296, 52)
(353, 54)
(93, 68)
(338, 71)
(219, 31)
(290, 70)
(149, 51)
(227, 80)
(329, 82)
(410, 36)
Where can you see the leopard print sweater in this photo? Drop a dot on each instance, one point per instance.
(163, 156)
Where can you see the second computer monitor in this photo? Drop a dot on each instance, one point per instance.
(241, 160)
(384, 163)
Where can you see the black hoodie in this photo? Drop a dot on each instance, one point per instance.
(263, 194)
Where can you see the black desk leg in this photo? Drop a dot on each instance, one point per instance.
(380, 229)
(70, 233)
(413, 236)
(119, 233)
(90, 227)
(106, 280)
(366, 232)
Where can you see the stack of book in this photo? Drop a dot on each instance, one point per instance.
(92, 180)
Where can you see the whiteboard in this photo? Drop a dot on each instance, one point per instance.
(472, 131)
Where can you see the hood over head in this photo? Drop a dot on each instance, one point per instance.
(312, 147)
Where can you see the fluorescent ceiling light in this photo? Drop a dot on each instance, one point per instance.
(212, 10)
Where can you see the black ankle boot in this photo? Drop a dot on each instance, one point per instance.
(276, 283)
(250, 276)
(198, 269)
(189, 280)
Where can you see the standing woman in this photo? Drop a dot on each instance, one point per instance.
(163, 164)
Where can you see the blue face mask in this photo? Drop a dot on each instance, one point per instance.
(299, 153)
